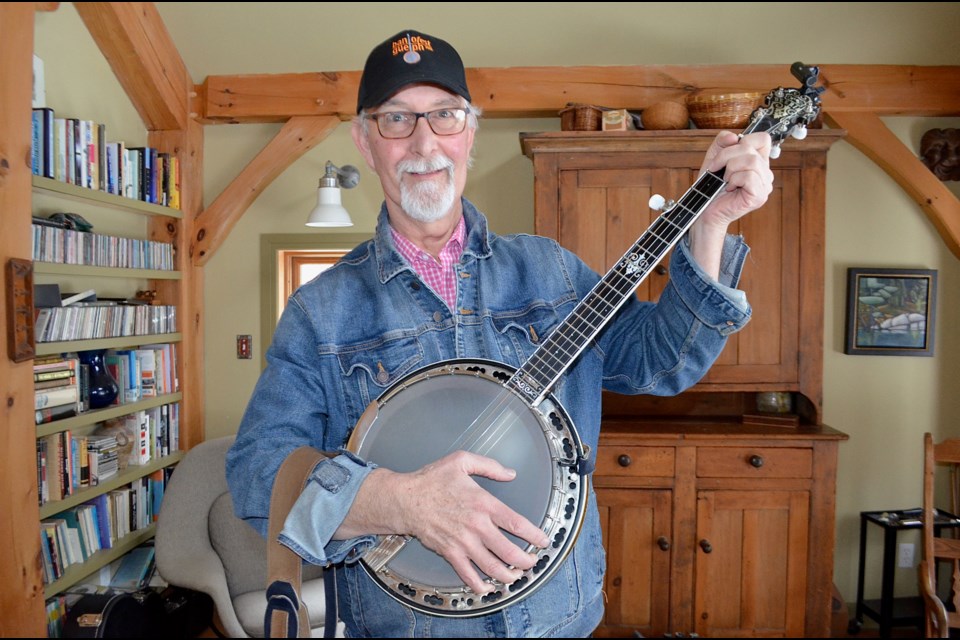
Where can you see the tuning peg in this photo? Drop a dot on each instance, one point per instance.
(775, 152)
(658, 203)
(799, 132)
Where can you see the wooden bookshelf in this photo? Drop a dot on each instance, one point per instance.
(90, 418)
(101, 198)
(57, 269)
(137, 47)
(78, 572)
(125, 477)
(123, 342)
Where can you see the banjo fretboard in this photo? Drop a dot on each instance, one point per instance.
(562, 347)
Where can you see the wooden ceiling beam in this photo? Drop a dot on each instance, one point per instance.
(136, 44)
(213, 225)
(543, 91)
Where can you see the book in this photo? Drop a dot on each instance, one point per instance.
(148, 372)
(39, 95)
(55, 374)
(49, 414)
(42, 155)
(102, 455)
(56, 397)
(82, 548)
(174, 182)
(79, 165)
(49, 159)
(53, 384)
(71, 298)
(135, 569)
(60, 149)
(46, 295)
(102, 503)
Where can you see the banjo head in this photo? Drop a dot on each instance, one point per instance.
(464, 404)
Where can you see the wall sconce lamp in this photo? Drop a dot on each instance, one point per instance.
(329, 212)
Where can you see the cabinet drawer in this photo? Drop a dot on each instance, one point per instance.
(754, 462)
(628, 461)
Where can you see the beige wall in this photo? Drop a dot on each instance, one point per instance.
(884, 403)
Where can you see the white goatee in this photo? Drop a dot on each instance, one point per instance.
(427, 200)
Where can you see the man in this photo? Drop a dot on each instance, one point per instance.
(436, 284)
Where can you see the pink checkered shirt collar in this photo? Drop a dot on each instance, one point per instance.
(438, 275)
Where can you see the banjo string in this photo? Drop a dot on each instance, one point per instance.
(491, 425)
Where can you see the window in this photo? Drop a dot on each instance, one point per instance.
(296, 267)
(286, 262)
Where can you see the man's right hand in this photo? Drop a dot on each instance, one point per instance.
(444, 507)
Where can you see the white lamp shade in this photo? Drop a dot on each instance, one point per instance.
(329, 212)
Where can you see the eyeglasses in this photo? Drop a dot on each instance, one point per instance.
(401, 124)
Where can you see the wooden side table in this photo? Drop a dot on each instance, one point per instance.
(889, 611)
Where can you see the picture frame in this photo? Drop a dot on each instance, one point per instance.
(890, 312)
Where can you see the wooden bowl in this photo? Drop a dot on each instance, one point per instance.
(723, 110)
(665, 115)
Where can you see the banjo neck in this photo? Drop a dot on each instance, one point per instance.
(785, 112)
(536, 377)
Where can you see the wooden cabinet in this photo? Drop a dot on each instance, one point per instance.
(591, 194)
(716, 528)
(713, 524)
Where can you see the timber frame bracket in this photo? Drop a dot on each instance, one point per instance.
(856, 96)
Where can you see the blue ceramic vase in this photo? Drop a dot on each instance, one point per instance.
(103, 388)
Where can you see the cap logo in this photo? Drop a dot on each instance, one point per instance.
(410, 46)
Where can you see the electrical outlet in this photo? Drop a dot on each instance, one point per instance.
(905, 550)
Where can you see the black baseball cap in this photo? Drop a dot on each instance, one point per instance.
(410, 57)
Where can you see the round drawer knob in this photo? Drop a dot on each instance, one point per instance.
(663, 543)
(706, 546)
(624, 460)
(660, 270)
(756, 461)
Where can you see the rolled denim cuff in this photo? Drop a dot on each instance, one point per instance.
(321, 509)
(715, 304)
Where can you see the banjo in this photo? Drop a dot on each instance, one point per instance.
(516, 418)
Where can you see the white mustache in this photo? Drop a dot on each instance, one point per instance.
(424, 165)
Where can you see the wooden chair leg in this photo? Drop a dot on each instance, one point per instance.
(935, 613)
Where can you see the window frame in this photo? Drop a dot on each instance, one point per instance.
(272, 269)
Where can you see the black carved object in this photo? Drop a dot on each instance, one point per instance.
(940, 151)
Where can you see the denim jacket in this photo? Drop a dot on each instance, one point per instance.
(347, 335)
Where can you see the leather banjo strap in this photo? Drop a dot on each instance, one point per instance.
(286, 615)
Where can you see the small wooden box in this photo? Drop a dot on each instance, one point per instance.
(617, 120)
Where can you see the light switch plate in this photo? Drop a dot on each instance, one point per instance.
(244, 347)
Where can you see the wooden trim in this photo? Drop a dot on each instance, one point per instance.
(297, 136)
(294, 261)
(21, 594)
(136, 44)
(523, 92)
(187, 145)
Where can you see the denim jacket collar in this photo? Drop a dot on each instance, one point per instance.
(389, 260)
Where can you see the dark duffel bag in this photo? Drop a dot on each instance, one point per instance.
(117, 615)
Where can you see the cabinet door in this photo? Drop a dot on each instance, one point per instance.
(636, 535)
(766, 351)
(751, 563)
(604, 211)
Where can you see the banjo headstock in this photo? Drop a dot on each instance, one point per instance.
(787, 112)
